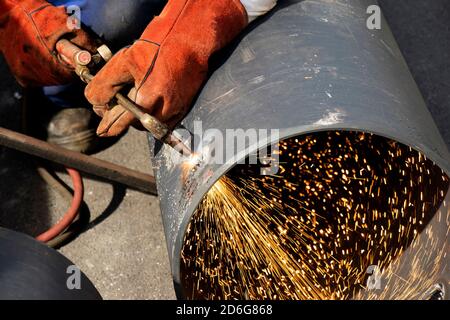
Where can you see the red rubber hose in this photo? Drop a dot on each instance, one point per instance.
(71, 214)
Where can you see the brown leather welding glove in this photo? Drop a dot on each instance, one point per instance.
(29, 31)
(168, 64)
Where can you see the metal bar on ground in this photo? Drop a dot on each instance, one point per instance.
(96, 167)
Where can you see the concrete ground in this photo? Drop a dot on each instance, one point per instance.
(125, 253)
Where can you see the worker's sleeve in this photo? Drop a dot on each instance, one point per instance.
(256, 8)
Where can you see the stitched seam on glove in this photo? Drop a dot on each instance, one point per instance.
(173, 24)
(38, 9)
(30, 16)
(113, 122)
(151, 67)
(41, 39)
(149, 41)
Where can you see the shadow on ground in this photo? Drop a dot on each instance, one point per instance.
(24, 202)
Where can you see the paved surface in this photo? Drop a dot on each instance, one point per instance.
(125, 254)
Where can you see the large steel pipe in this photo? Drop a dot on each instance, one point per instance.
(33, 271)
(306, 68)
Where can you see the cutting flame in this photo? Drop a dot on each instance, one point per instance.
(190, 165)
(194, 159)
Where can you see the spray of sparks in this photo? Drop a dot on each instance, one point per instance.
(342, 201)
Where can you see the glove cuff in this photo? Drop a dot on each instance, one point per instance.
(212, 23)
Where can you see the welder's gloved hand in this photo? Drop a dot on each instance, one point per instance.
(168, 64)
(29, 31)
